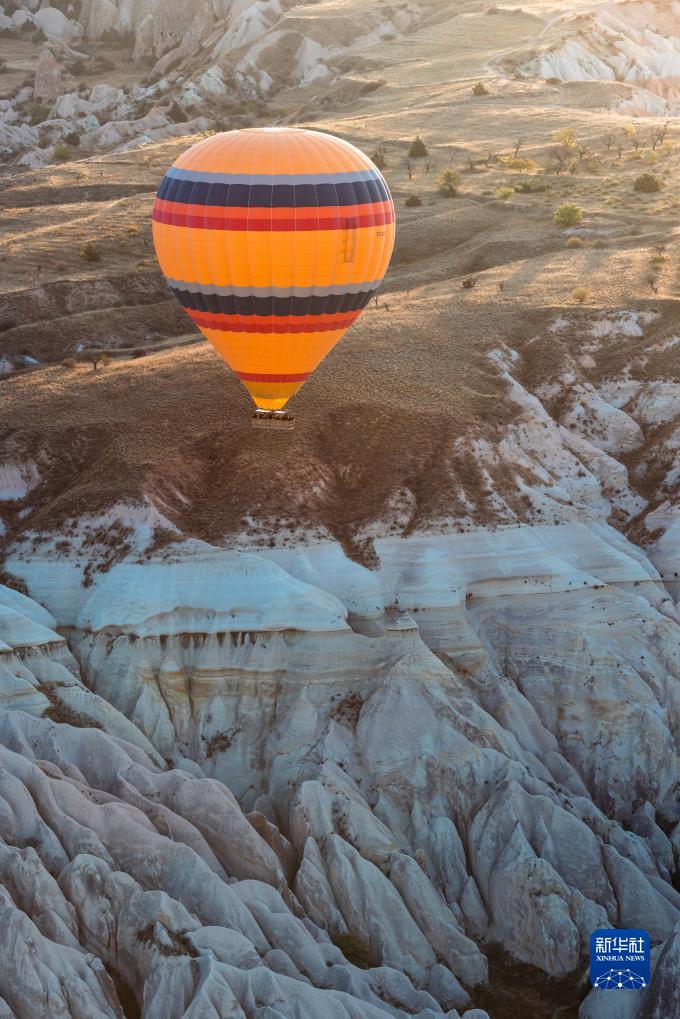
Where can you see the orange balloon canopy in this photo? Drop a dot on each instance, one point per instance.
(273, 240)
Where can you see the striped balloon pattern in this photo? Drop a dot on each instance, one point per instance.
(273, 240)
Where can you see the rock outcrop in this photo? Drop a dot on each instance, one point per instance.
(431, 753)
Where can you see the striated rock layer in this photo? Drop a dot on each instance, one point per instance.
(475, 744)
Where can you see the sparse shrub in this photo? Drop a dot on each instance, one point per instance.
(69, 362)
(16, 583)
(355, 950)
(102, 64)
(418, 149)
(568, 215)
(504, 192)
(480, 89)
(62, 153)
(95, 356)
(72, 139)
(531, 186)
(157, 338)
(90, 252)
(413, 201)
(448, 183)
(581, 295)
(566, 137)
(38, 113)
(469, 282)
(648, 183)
(139, 352)
(575, 242)
(176, 113)
(379, 158)
(3, 67)
(517, 163)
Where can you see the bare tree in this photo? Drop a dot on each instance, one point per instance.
(659, 136)
(518, 145)
(95, 356)
(560, 158)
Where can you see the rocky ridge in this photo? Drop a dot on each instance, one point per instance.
(203, 65)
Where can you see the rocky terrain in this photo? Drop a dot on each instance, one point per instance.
(89, 76)
(380, 716)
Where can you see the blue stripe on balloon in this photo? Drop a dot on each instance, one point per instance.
(277, 196)
(252, 305)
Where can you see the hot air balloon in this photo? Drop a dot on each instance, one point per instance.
(273, 240)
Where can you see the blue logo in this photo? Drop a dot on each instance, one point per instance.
(619, 959)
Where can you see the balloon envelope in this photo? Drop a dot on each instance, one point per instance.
(273, 240)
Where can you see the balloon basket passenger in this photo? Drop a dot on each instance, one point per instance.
(280, 419)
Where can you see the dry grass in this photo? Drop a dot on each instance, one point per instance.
(399, 404)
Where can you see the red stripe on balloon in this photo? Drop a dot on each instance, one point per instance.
(257, 377)
(212, 218)
(273, 323)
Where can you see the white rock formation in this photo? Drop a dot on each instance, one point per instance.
(633, 42)
(454, 775)
(57, 25)
(48, 83)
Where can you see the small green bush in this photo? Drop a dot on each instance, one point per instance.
(412, 202)
(531, 186)
(504, 192)
(580, 295)
(355, 950)
(517, 163)
(568, 215)
(648, 183)
(90, 252)
(38, 113)
(448, 183)
(480, 89)
(418, 149)
(62, 153)
(379, 158)
(176, 113)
